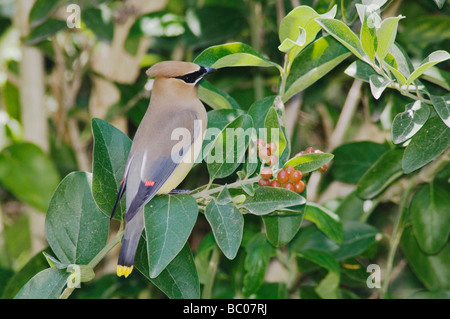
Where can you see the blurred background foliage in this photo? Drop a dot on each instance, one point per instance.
(55, 79)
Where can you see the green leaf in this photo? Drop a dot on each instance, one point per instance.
(360, 70)
(179, 280)
(28, 173)
(111, 148)
(258, 110)
(283, 226)
(439, 3)
(377, 85)
(368, 36)
(408, 123)
(287, 45)
(432, 270)
(341, 32)
(47, 284)
(270, 199)
(386, 35)
(41, 10)
(430, 142)
(274, 132)
(76, 228)
(433, 59)
(313, 63)
(353, 159)
(41, 32)
(442, 106)
(100, 21)
(309, 162)
(327, 288)
(214, 97)
(168, 222)
(431, 219)
(227, 224)
(225, 155)
(327, 221)
(232, 55)
(259, 251)
(438, 77)
(391, 65)
(381, 174)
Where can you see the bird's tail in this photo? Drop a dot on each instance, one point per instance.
(132, 234)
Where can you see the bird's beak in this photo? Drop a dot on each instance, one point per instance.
(209, 70)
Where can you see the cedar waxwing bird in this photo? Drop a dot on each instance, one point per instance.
(151, 167)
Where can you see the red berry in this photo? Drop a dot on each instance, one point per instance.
(272, 146)
(295, 176)
(289, 186)
(266, 173)
(323, 168)
(289, 170)
(260, 143)
(264, 182)
(275, 183)
(282, 176)
(299, 187)
(264, 154)
(309, 150)
(273, 159)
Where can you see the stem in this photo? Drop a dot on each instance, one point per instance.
(207, 192)
(396, 236)
(211, 273)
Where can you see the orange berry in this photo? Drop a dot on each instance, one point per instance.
(289, 170)
(282, 176)
(260, 143)
(264, 154)
(289, 186)
(273, 159)
(264, 182)
(299, 187)
(300, 153)
(309, 150)
(275, 183)
(266, 173)
(323, 168)
(295, 176)
(272, 146)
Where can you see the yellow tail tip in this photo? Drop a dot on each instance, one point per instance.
(124, 270)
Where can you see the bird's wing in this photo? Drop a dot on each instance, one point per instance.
(151, 167)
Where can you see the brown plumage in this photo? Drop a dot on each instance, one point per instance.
(153, 165)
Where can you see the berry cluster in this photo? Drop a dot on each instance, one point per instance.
(312, 150)
(287, 178)
(266, 152)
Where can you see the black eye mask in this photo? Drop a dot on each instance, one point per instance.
(193, 76)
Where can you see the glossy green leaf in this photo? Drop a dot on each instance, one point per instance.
(258, 111)
(227, 224)
(225, 156)
(319, 58)
(179, 280)
(430, 142)
(390, 63)
(430, 214)
(76, 228)
(432, 270)
(386, 35)
(168, 222)
(41, 10)
(408, 123)
(28, 173)
(360, 70)
(259, 251)
(111, 149)
(41, 32)
(215, 98)
(270, 199)
(368, 36)
(231, 55)
(327, 221)
(381, 174)
(433, 59)
(309, 162)
(438, 77)
(442, 106)
(274, 132)
(377, 85)
(47, 284)
(341, 32)
(283, 226)
(353, 159)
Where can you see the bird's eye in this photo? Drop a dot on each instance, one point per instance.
(193, 77)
